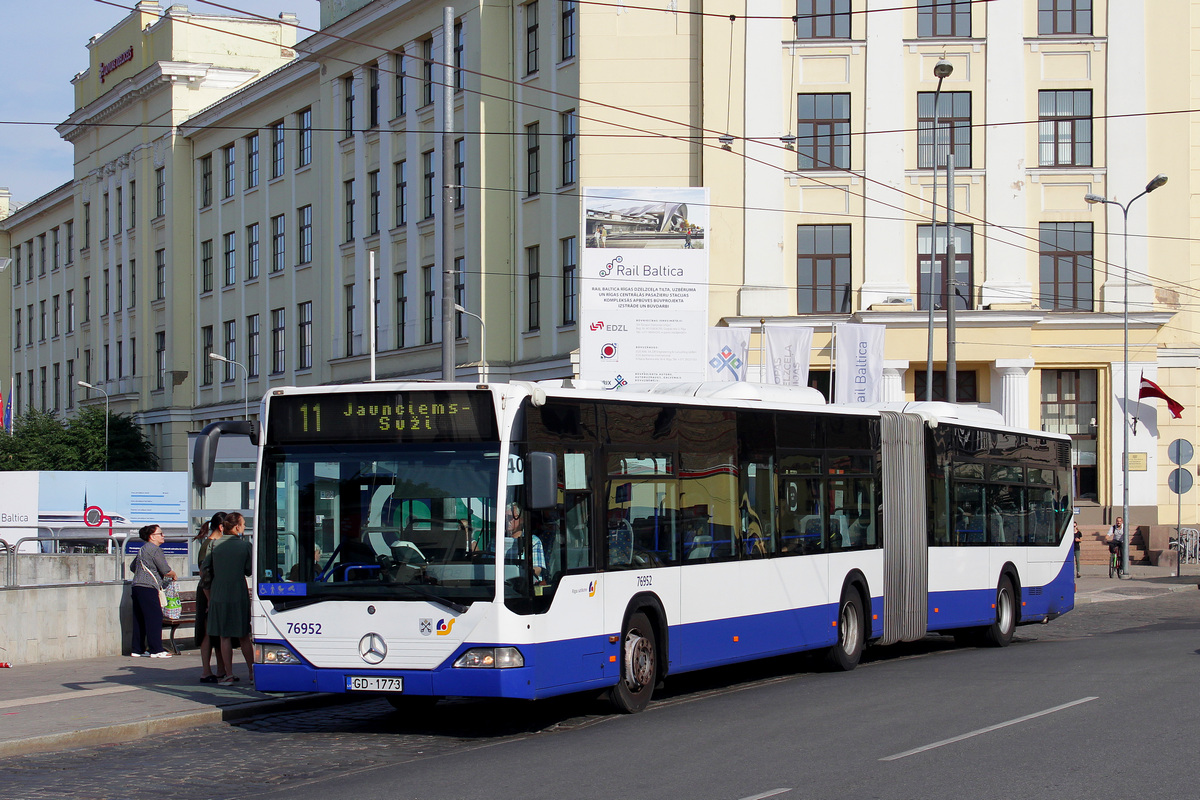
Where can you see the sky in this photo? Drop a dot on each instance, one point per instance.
(43, 44)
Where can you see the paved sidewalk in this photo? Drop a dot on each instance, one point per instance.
(58, 706)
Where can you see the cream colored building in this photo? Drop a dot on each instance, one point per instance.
(285, 171)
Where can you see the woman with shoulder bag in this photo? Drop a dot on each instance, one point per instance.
(150, 572)
(212, 533)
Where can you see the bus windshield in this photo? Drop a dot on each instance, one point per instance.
(395, 522)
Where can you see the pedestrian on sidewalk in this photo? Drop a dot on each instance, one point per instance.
(212, 533)
(229, 598)
(150, 571)
(1078, 545)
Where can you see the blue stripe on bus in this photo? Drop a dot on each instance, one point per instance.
(572, 665)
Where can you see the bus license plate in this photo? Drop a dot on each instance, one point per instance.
(373, 684)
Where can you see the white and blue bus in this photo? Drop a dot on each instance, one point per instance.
(422, 540)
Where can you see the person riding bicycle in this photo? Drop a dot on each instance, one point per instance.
(1116, 538)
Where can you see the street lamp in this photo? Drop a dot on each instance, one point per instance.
(941, 70)
(482, 341)
(87, 385)
(245, 377)
(1090, 198)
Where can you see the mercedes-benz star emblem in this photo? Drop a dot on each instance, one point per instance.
(372, 648)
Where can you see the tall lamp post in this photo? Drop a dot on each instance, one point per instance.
(1158, 181)
(245, 378)
(942, 70)
(87, 385)
(482, 341)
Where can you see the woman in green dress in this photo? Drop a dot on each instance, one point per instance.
(229, 599)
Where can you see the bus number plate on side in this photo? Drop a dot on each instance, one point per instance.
(356, 683)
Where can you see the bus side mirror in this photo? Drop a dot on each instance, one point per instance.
(541, 486)
(204, 456)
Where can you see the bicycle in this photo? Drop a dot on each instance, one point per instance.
(1114, 560)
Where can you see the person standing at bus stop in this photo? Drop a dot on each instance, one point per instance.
(150, 573)
(212, 533)
(229, 599)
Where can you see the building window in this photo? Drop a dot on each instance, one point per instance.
(1065, 16)
(277, 149)
(230, 330)
(568, 122)
(55, 248)
(120, 296)
(373, 206)
(45, 396)
(206, 267)
(570, 291)
(132, 205)
(252, 345)
(938, 18)
(304, 215)
(17, 331)
(823, 19)
(533, 278)
(401, 168)
(426, 72)
(41, 320)
(70, 241)
(963, 268)
(29, 319)
(1070, 405)
(1065, 266)
(230, 259)
(460, 295)
(823, 131)
(966, 385)
(160, 274)
(278, 335)
(87, 299)
(160, 191)
(56, 316)
(230, 173)
(348, 292)
(252, 161)
(119, 226)
(206, 351)
(70, 310)
(304, 137)
(205, 183)
(1065, 128)
(566, 29)
(252, 251)
(401, 100)
(70, 383)
(348, 194)
(373, 97)
(132, 284)
(954, 129)
(460, 41)
(57, 385)
(460, 171)
(278, 249)
(347, 107)
(427, 184)
(428, 294)
(304, 341)
(531, 37)
(823, 269)
(532, 160)
(87, 225)
(160, 361)
(401, 306)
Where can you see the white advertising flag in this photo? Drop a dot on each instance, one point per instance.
(858, 363)
(785, 353)
(727, 350)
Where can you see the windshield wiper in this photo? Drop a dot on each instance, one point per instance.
(457, 608)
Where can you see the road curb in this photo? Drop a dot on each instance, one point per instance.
(131, 731)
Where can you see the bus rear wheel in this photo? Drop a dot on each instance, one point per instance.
(639, 666)
(1000, 632)
(846, 653)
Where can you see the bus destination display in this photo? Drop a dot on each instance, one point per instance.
(436, 416)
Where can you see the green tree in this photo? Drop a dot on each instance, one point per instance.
(42, 441)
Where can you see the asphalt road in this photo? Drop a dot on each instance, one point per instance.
(1099, 704)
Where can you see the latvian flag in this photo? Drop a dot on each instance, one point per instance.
(1149, 388)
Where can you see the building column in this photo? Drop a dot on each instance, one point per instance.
(1014, 389)
(893, 381)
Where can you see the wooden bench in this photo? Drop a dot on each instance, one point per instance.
(187, 616)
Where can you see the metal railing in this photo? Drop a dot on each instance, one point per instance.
(1187, 545)
(117, 556)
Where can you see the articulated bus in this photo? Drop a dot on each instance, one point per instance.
(422, 540)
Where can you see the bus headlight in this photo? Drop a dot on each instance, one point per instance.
(491, 658)
(274, 654)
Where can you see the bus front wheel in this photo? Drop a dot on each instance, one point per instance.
(639, 666)
(1000, 632)
(851, 635)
